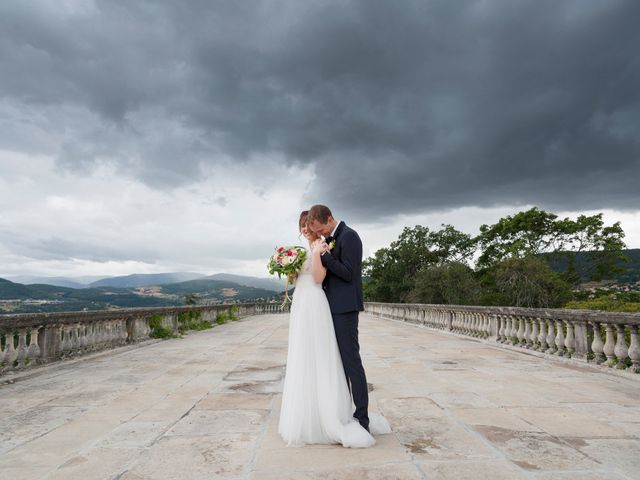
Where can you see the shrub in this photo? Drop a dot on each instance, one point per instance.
(157, 329)
(529, 282)
(452, 283)
(192, 321)
(222, 317)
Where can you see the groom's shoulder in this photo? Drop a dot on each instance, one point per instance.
(350, 232)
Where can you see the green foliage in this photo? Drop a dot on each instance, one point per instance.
(609, 302)
(227, 316)
(157, 329)
(192, 321)
(190, 299)
(391, 272)
(451, 283)
(535, 232)
(513, 266)
(529, 282)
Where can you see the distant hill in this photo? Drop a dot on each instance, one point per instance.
(19, 298)
(11, 290)
(218, 289)
(272, 284)
(71, 282)
(631, 273)
(146, 279)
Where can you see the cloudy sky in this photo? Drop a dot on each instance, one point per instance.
(155, 136)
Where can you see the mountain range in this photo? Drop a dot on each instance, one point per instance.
(147, 280)
(629, 269)
(139, 290)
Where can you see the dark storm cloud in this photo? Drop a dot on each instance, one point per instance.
(401, 106)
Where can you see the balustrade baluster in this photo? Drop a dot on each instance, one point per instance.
(551, 337)
(485, 329)
(82, 337)
(509, 329)
(33, 352)
(10, 353)
(634, 349)
(570, 341)
(542, 337)
(520, 332)
(534, 334)
(597, 346)
(123, 332)
(487, 325)
(22, 347)
(621, 350)
(559, 338)
(609, 345)
(65, 342)
(75, 342)
(528, 343)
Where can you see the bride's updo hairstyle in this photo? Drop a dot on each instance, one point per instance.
(304, 222)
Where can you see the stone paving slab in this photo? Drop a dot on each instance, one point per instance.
(207, 406)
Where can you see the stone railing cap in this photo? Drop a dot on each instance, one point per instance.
(551, 313)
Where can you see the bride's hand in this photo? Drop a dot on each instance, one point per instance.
(317, 246)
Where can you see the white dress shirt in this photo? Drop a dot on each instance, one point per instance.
(335, 228)
(333, 232)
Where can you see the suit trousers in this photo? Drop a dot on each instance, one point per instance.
(346, 328)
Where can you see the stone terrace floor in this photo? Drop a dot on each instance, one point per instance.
(207, 406)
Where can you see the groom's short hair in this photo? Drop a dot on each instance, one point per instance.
(321, 213)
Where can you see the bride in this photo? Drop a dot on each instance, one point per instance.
(316, 401)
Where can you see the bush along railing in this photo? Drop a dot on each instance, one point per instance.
(592, 336)
(37, 338)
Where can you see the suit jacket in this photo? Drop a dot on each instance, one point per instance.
(343, 282)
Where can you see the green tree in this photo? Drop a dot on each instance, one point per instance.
(391, 272)
(451, 283)
(190, 299)
(451, 245)
(529, 282)
(535, 232)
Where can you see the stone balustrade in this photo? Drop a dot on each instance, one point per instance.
(33, 339)
(607, 338)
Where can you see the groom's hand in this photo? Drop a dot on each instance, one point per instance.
(324, 248)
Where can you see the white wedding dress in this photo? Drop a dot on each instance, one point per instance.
(316, 403)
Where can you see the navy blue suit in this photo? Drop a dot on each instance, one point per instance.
(343, 287)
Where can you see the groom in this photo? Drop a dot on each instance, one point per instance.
(343, 287)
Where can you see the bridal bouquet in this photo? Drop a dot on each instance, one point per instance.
(287, 261)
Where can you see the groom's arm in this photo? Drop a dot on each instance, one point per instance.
(351, 255)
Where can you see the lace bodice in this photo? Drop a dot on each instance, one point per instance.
(306, 266)
(305, 277)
